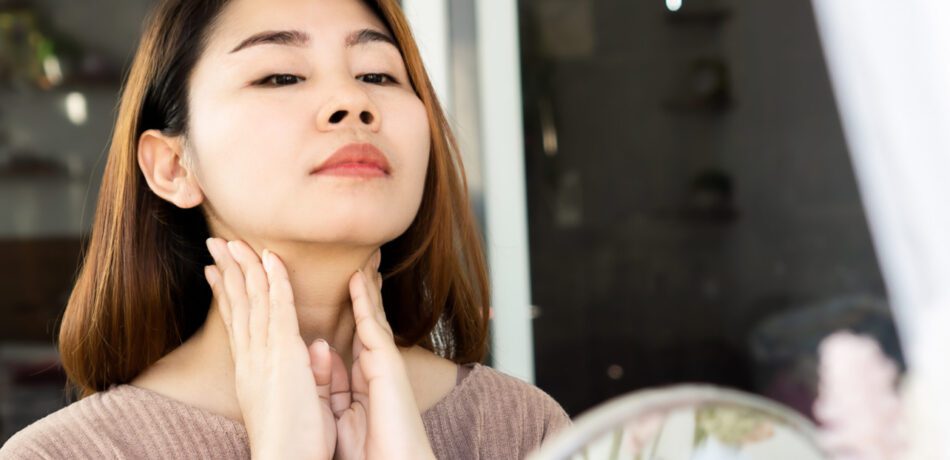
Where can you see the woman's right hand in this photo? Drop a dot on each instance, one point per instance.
(285, 404)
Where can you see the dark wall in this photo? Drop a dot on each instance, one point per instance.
(678, 213)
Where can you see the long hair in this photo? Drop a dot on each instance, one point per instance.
(141, 291)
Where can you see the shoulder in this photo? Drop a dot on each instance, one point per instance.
(125, 422)
(494, 414)
(58, 435)
(502, 394)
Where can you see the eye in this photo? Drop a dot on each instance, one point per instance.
(378, 78)
(279, 80)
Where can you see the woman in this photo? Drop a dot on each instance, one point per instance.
(271, 160)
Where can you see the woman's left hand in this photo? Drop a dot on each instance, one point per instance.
(377, 417)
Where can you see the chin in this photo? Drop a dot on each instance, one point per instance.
(357, 232)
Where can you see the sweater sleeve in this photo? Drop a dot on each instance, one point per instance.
(47, 440)
(555, 420)
(128, 423)
(17, 448)
(493, 416)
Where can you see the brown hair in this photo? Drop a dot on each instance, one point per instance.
(141, 292)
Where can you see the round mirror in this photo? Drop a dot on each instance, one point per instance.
(686, 422)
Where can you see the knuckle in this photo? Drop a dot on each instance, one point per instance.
(255, 298)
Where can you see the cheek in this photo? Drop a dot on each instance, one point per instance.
(245, 153)
(410, 133)
(256, 132)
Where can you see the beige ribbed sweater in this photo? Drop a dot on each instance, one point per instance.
(488, 415)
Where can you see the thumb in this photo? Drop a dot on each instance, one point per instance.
(321, 365)
(340, 396)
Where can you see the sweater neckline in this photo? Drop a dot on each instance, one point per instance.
(453, 394)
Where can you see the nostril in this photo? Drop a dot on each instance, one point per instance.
(366, 117)
(337, 116)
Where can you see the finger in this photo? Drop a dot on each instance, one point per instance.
(368, 328)
(221, 300)
(379, 289)
(371, 269)
(357, 348)
(213, 276)
(340, 396)
(375, 285)
(373, 274)
(283, 310)
(232, 289)
(320, 364)
(258, 299)
(378, 280)
(372, 263)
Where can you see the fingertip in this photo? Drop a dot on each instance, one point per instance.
(321, 346)
(355, 279)
(267, 257)
(366, 283)
(356, 295)
(314, 352)
(208, 278)
(240, 252)
(211, 275)
(320, 362)
(320, 355)
(357, 285)
(273, 264)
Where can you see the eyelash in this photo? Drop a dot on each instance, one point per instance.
(266, 80)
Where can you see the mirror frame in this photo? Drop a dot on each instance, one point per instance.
(614, 412)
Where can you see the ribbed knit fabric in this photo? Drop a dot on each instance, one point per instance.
(488, 415)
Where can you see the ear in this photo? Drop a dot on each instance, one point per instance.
(162, 162)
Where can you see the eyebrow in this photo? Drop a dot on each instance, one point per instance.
(299, 38)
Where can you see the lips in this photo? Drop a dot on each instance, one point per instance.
(355, 155)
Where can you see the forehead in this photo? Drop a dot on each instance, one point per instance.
(327, 21)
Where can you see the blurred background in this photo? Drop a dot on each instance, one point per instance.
(666, 183)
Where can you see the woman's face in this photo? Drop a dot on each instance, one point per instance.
(264, 115)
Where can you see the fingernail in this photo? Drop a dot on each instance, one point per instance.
(323, 342)
(210, 243)
(329, 347)
(209, 276)
(231, 246)
(268, 260)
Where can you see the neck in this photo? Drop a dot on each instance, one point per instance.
(320, 282)
(320, 279)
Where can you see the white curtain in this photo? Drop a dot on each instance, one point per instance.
(889, 62)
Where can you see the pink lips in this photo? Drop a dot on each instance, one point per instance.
(361, 159)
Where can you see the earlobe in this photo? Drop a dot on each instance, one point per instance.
(162, 163)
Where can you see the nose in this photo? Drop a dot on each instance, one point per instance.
(350, 106)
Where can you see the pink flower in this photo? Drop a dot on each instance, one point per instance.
(858, 406)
